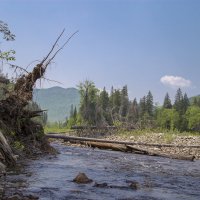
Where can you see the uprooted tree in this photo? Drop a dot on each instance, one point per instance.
(15, 119)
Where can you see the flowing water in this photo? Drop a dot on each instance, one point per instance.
(157, 178)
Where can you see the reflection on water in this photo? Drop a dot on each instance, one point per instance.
(158, 178)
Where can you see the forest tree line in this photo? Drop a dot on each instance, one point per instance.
(101, 108)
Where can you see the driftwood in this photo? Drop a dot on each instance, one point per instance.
(100, 145)
(153, 153)
(5, 151)
(65, 137)
(123, 146)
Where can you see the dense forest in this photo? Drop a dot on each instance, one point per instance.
(100, 108)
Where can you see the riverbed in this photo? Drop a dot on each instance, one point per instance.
(113, 174)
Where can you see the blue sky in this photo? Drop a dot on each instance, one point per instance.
(147, 44)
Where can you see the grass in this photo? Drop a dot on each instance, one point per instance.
(56, 129)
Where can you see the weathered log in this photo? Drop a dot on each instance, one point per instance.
(5, 151)
(68, 138)
(100, 145)
(153, 153)
(119, 146)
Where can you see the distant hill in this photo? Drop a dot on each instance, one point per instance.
(191, 99)
(57, 101)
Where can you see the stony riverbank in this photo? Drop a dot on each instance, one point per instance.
(159, 138)
(162, 138)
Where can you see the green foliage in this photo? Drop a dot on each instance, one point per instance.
(167, 102)
(133, 112)
(124, 103)
(56, 127)
(7, 35)
(73, 120)
(104, 106)
(178, 104)
(8, 55)
(4, 29)
(149, 104)
(88, 102)
(167, 118)
(101, 109)
(18, 145)
(195, 101)
(142, 106)
(193, 117)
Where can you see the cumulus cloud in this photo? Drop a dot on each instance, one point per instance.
(175, 81)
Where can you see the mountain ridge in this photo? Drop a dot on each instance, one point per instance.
(57, 101)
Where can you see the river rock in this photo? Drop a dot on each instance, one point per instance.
(134, 185)
(15, 197)
(100, 185)
(82, 178)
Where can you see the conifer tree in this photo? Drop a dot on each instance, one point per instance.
(105, 106)
(149, 104)
(124, 102)
(75, 113)
(178, 104)
(111, 98)
(133, 113)
(71, 111)
(116, 102)
(88, 102)
(104, 100)
(186, 103)
(167, 102)
(142, 107)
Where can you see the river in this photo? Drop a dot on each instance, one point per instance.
(157, 178)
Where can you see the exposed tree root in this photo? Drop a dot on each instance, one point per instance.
(15, 119)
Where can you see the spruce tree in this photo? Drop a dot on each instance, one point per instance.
(142, 107)
(133, 113)
(116, 102)
(167, 102)
(104, 100)
(149, 104)
(88, 102)
(186, 103)
(75, 114)
(178, 103)
(71, 111)
(111, 98)
(105, 106)
(124, 102)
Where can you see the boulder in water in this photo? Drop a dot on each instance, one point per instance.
(82, 178)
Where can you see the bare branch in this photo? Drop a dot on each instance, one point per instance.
(31, 63)
(53, 47)
(52, 80)
(45, 66)
(18, 67)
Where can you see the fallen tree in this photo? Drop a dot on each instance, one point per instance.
(123, 146)
(15, 119)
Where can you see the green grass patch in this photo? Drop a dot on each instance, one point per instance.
(56, 129)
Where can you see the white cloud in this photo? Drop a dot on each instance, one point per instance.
(175, 81)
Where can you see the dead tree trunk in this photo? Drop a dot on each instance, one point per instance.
(124, 146)
(6, 154)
